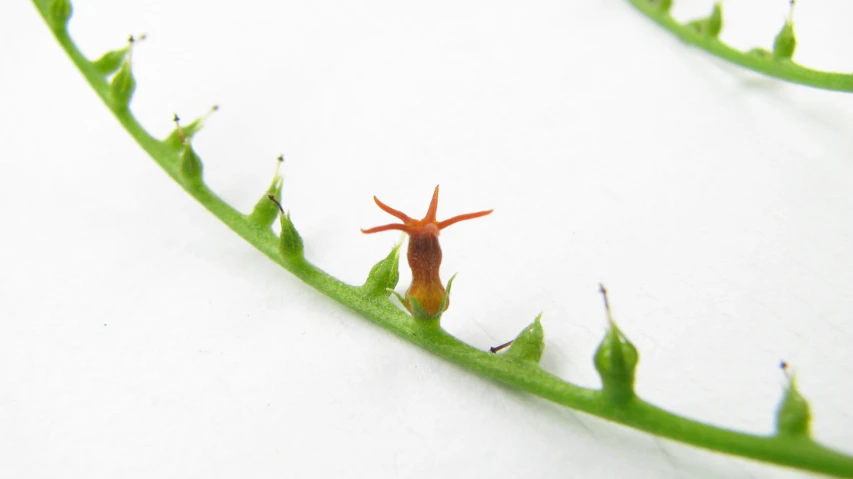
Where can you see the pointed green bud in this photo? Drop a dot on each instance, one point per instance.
(616, 360)
(122, 86)
(110, 61)
(384, 275)
(712, 25)
(190, 167)
(265, 210)
(530, 344)
(290, 243)
(793, 416)
(58, 14)
(786, 42)
(183, 134)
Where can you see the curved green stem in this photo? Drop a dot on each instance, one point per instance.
(798, 452)
(760, 61)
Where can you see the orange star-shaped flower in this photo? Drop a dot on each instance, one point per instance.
(424, 254)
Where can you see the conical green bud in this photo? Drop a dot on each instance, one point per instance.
(793, 416)
(190, 167)
(530, 343)
(785, 42)
(712, 25)
(265, 210)
(110, 61)
(122, 86)
(58, 14)
(290, 245)
(384, 275)
(616, 361)
(183, 134)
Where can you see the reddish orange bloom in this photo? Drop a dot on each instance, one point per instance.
(424, 253)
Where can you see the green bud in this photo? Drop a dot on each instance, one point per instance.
(265, 210)
(191, 167)
(183, 134)
(530, 343)
(110, 61)
(384, 275)
(58, 13)
(793, 415)
(664, 5)
(290, 243)
(616, 361)
(122, 86)
(786, 42)
(712, 25)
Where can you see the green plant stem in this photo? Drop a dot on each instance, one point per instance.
(783, 69)
(796, 452)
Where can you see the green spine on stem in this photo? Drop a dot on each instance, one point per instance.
(191, 167)
(616, 361)
(529, 344)
(786, 41)
(290, 245)
(183, 134)
(793, 416)
(384, 275)
(712, 25)
(265, 211)
(122, 86)
(109, 62)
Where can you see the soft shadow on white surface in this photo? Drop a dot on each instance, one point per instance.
(141, 338)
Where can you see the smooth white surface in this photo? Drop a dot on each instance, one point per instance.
(139, 337)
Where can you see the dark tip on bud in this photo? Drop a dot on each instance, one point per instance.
(280, 158)
(272, 198)
(529, 345)
(495, 349)
(290, 244)
(175, 118)
(603, 291)
(265, 211)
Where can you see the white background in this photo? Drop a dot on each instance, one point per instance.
(139, 337)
